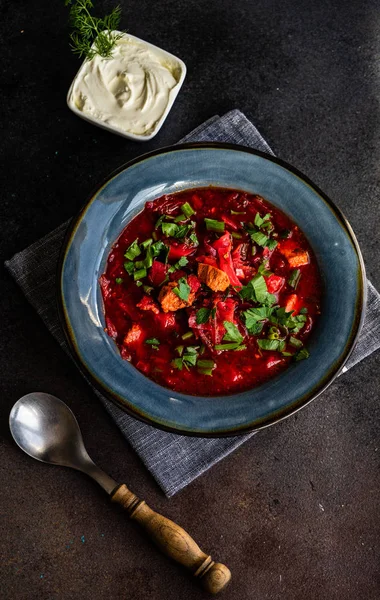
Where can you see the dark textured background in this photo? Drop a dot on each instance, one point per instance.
(295, 512)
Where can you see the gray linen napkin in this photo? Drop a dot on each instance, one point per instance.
(173, 460)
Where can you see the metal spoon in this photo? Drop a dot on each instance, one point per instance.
(46, 429)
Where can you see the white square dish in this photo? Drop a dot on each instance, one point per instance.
(122, 94)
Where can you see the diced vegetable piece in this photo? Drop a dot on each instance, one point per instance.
(296, 256)
(147, 303)
(158, 273)
(291, 303)
(214, 278)
(294, 278)
(213, 225)
(133, 251)
(274, 283)
(187, 209)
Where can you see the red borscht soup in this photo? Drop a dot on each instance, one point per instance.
(211, 291)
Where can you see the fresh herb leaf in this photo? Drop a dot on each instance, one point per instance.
(213, 225)
(263, 269)
(302, 354)
(178, 265)
(194, 239)
(160, 250)
(296, 343)
(169, 229)
(182, 290)
(146, 243)
(202, 316)
(303, 311)
(253, 316)
(294, 278)
(233, 334)
(133, 251)
(92, 35)
(278, 345)
(119, 280)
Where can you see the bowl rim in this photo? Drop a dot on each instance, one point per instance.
(267, 421)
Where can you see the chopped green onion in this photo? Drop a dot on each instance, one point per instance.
(180, 218)
(187, 209)
(212, 225)
(139, 264)
(260, 221)
(155, 236)
(286, 354)
(148, 261)
(194, 239)
(303, 311)
(232, 346)
(271, 244)
(259, 238)
(202, 349)
(152, 342)
(133, 251)
(138, 283)
(129, 267)
(187, 335)
(235, 235)
(253, 250)
(169, 229)
(295, 342)
(147, 243)
(179, 350)
(206, 364)
(234, 212)
(205, 372)
(294, 278)
(119, 280)
(148, 289)
(140, 274)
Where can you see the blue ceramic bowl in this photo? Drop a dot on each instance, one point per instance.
(116, 202)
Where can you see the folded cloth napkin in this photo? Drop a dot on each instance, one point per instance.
(174, 460)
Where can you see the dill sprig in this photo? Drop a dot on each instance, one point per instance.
(92, 35)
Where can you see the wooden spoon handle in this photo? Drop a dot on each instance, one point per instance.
(174, 541)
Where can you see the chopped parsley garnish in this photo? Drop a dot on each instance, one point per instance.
(278, 345)
(119, 280)
(256, 290)
(233, 334)
(294, 278)
(213, 225)
(303, 311)
(263, 269)
(203, 315)
(160, 250)
(302, 354)
(205, 367)
(182, 290)
(154, 342)
(254, 316)
(178, 265)
(194, 239)
(187, 335)
(147, 243)
(133, 251)
(188, 358)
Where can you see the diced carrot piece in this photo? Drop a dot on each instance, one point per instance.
(296, 257)
(170, 301)
(291, 303)
(147, 303)
(133, 335)
(216, 279)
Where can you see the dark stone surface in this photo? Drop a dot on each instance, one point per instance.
(295, 512)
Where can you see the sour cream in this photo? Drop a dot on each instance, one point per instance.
(131, 90)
